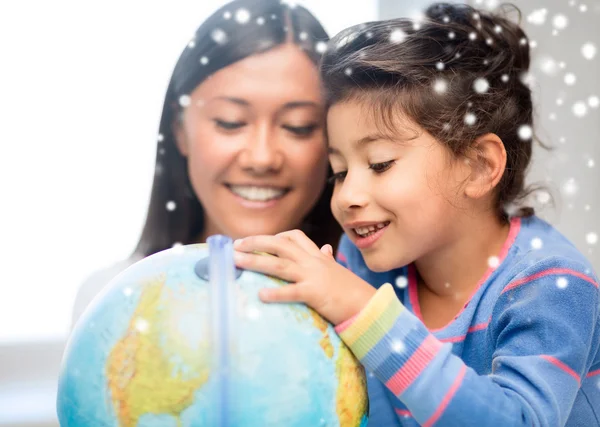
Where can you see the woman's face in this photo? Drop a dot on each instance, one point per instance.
(254, 141)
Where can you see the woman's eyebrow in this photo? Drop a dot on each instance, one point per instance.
(238, 101)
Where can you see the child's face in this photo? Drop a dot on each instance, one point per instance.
(398, 200)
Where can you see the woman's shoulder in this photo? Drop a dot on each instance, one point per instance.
(95, 282)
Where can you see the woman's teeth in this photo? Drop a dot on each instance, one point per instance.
(367, 231)
(257, 194)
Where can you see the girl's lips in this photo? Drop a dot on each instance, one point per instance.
(368, 241)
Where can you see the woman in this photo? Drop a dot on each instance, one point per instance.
(241, 147)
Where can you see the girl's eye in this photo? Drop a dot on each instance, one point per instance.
(337, 177)
(381, 167)
(301, 130)
(229, 125)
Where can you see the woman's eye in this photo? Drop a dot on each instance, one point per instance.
(381, 167)
(337, 177)
(301, 130)
(229, 125)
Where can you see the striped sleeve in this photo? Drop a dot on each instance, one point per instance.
(529, 384)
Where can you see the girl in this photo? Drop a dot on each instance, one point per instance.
(494, 316)
(241, 146)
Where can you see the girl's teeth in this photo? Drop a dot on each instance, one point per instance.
(366, 231)
(257, 194)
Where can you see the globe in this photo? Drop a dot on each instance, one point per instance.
(181, 338)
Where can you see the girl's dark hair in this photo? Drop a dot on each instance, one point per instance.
(237, 30)
(459, 73)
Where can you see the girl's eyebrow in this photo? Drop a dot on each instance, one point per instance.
(359, 143)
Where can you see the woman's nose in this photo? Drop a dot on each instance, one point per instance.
(262, 153)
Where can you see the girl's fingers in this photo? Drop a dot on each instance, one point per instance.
(273, 266)
(327, 250)
(279, 246)
(286, 293)
(300, 239)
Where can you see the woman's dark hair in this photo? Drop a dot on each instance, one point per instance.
(237, 30)
(459, 73)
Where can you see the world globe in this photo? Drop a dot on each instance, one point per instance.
(181, 338)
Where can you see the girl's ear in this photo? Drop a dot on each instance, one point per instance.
(487, 159)
(179, 133)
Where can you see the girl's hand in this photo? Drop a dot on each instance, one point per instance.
(316, 279)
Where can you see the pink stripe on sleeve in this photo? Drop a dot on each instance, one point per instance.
(548, 272)
(414, 365)
(562, 366)
(449, 395)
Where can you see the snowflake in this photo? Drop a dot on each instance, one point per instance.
(570, 187)
(593, 101)
(440, 86)
(321, 47)
(160, 137)
(493, 261)
(242, 16)
(397, 36)
(401, 282)
(192, 44)
(504, 78)
(252, 313)
(570, 79)
(204, 60)
(303, 35)
(184, 100)
(525, 132)
(451, 35)
(560, 22)
(543, 197)
(481, 85)
(219, 36)
(470, 119)
(591, 163)
(579, 109)
(562, 282)
(548, 65)
(559, 101)
(588, 50)
(497, 29)
(227, 14)
(348, 71)
(591, 238)
(127, 291)
(142, 325)
(472, 35)
(582, 8)
(440, 65)
(260, 20)
(398, 346)
(537, 17)
(537, 243)
(171, 205)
